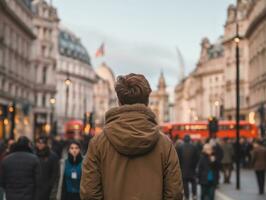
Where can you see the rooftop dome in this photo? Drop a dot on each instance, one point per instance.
(106, 73)
(71, 46)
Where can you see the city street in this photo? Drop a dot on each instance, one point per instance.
(132, 99)
(249, 188)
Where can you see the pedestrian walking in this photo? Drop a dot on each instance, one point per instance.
(131, 159)
(85, 143)
(50, 169)
(71, 173)
(227, 161)
(189, 157)
(259, 164)
(218, 153)
(58, 146)
(20, 172)
(206, 172)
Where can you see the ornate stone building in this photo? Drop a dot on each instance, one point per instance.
(200, 95)
(235, 14)
(75, 80)
(256, 35)
(210, 89)
(104, 93)
(159, 101)
(16, 74)
(44, 63)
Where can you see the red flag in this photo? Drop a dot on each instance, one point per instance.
(100, 51)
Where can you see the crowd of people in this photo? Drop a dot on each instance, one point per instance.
(203, 162)
(131, 159)
(40, 172)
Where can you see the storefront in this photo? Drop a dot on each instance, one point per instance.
(15, 120)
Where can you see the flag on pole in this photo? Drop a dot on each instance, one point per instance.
(100, 51)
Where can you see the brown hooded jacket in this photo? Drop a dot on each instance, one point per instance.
(131, 160)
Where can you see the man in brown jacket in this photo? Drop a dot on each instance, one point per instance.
(131, 159)
(259, 164)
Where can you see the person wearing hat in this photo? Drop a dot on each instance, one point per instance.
(71, 173)
(50, 169)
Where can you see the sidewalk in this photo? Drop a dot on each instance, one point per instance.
(248, 185)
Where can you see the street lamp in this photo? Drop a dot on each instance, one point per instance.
(12, 110)
(52, 102)
(217, 104)
(67, 83)
(237, 41)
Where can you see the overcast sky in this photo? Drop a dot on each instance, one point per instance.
(141, 36)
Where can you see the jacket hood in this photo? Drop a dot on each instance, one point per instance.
(132, 129)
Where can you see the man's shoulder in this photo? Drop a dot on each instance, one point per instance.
(20, 155)
(165, 141)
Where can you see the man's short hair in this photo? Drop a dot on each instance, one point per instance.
(132, 89)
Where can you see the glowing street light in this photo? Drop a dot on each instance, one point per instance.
(68, 81)
(52, 101)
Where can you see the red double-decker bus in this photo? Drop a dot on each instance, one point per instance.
(199, 130)
(73, 129)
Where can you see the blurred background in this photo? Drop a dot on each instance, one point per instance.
(59, 60)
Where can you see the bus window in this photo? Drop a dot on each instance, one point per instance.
(245, 127)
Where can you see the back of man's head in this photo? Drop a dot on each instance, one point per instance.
(23, 144)
(132, 89)
(187, 139)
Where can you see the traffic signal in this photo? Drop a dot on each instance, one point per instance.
(213, 126)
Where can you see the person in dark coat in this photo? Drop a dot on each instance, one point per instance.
(259, 164)
(188, 157)
(58, 146)
(227, 161)
(2, 153)
(219, 154)
(71, 174)
(20, 172)
(85, 143)
(207, 167)
(50, 169)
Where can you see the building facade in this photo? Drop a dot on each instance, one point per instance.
(44, 63)
(159, 101)
(75, 79)
(104, 93)
(256, 35)
(236, 14)
(210, 90)
(201, 94)
(16, 73)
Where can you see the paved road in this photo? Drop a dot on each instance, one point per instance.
(248, 191)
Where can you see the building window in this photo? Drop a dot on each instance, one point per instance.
(43, 100)
(44, 74)
(36, 99)
(43, 50)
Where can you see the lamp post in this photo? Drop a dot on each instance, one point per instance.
(12, 110)
(52, 102)
(216, 105)
(67, 83)
(237, 40)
